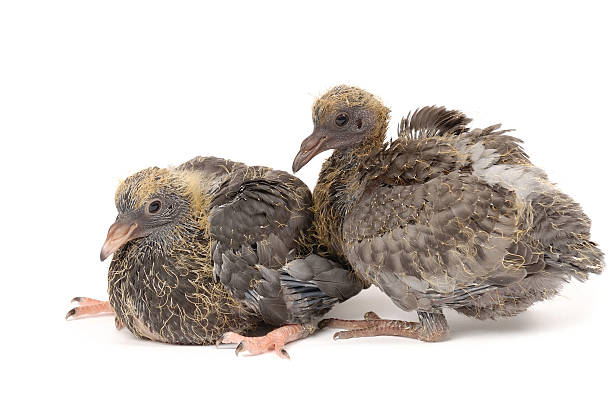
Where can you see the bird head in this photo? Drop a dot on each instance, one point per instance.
(152, 203)
(343, 117)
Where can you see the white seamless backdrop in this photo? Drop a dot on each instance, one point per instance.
(91, 92)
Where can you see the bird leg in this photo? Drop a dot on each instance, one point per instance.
(431, 327)
(89, 307)
(274, 340)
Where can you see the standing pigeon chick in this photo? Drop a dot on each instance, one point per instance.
(202, 250)
(442, 217)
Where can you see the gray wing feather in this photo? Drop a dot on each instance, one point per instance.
(258, 219)
(432, 121)
(449, 233)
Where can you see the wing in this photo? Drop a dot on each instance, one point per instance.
(265, 209)
(213, 172)
(258, 219)
(426, 240)
(253, 206)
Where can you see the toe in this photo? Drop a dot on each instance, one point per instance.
(349, 334)
(230, 337)
(84, 301)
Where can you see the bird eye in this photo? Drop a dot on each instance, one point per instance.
(341, 120)
(154, 206)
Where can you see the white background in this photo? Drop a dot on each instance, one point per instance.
(91, 92)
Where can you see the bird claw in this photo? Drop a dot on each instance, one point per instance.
(71, 312)
(239, 348)
(283, 353)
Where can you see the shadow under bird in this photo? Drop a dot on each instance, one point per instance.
(209, 250)
(442, 217)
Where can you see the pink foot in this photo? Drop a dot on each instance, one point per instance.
(273, 341)
(89, 307)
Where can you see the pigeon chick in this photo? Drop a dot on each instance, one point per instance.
(201, 252)
(442, 217)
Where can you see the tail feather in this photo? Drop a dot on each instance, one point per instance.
(577, 259)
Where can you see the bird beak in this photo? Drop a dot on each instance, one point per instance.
(118, 234)
(311, 146)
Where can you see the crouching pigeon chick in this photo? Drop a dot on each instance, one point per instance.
(442, 217)
(201, 256)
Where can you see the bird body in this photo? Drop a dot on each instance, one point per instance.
(208, 248)
(444, 216)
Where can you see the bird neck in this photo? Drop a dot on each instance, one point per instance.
(339, 186)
